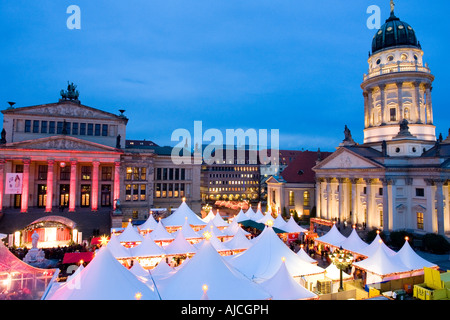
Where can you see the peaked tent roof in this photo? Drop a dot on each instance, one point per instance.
(117, 249)
(178, 217)
(239, 241)
(411, 259)
(179, 246)
(279, 222)
(138, 270)
(266, 217)
(305, 257)
(354, 243)
(292, 227)
(161, 234)
(257, 216)
(149, 224)
(241, 216)
(130, 234)
(209, 216)
(381, 263)
(232, 228)
(162, 269)
(262, 260)
(282, 286)
(104, 278)
(211, 227)
(373, 247)
(218, 220)
(207, 267)
(332, 237)
(250, 213)
(187, 231)
(332, 272)
(147, 248)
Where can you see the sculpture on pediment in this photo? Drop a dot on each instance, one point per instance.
(71, 93)
(118, 142)
(3, 137)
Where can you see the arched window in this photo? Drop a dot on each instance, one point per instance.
(406, 114)
(306, 199)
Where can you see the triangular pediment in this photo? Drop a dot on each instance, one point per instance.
(64, 109)
(274, 179)
(347, 159)
(61, 142)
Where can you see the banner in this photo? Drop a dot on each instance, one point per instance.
(13, 183)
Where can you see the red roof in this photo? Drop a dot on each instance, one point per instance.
(300, 169)
(75, 257)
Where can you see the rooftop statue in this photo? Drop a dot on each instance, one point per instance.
(71, 93)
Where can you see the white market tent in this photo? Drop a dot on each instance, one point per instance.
(117, 249)
(160, 234)
(188, 233)
(354, 243)
(262, 260)
(282, 286)
(104, 278)
(147, 248)
(412, 260)
(149, 224)
(130, 234)
(207, 267)
(220, 247)
(178, 217)
(219, 221)
(233, 228)
(211, 227)
(292, 227)
(258, 215)
(265, 218)
(162, 270)
(279, 222)
(179, 246)
(332, 237)
(239, 242)
(138, 270)
(305, 257)
(209, 216)
(373, 247)
(380, 266)
(240, 217)
(250, 213)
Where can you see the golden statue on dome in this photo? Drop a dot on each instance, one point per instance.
(392, 6)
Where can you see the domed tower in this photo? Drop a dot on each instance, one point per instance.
(397, 87)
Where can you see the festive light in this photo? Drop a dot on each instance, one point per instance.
(269, 223)
(207, 235)
(138, 296)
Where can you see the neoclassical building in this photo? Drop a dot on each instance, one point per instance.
(64, 158)
(398, 178)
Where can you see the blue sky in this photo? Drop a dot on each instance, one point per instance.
(296, 66)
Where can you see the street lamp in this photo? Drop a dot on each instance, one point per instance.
(341, 259)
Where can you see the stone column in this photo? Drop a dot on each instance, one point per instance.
(417, 98)
(329, 198)
(94, 202)
(370, 203)
(25, 185)
(430, 221)
(354, 203)
(50, 175)
(366, 109)
(370, 108)
(387, 204)
(440, 206)
(318, 198)
(341, 199)
(400, 100)
(383, 103)
(446, 207)
(2, 182)
(429, 104)
(73, 186)
(116, 182)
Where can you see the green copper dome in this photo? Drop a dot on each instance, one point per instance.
(394, 33)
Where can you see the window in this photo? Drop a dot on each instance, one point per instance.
(273, 196)
(177, 174)
(42, 172)
(380, 191)
(406, 114)
(135, 192)
(51, 127)
(181, 189)
(143, 174)
(164, 190)
(75, 128)
(175, 191)
(420, 192)
(365, 190)
(135, 214)
(27, 125)
(158, 174)
(35, 126)
(128, 192)
(306, 199)
(86, 173)
(381, 218)
(420, 220)
(291, 198)
(82, 129)
(393, 112)
(129, 173)
(104, 130)
(64, 173)
(164, 174)
(183, 174)
(97, 129)
(59, 127)
(44, 126)
(106, 173)
(68, 126)
(158, 190)
(170, 191)
(90, 129)
(171, 174)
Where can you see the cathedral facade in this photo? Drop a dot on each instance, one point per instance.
(398, 178)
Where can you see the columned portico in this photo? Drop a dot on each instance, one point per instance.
(73, 185)
(50, 181)
(25, 185)
(95, 166)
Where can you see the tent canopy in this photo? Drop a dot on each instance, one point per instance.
(130, 234)
(332, 237)
(354, 243)
(178, 217)
(411, 259)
